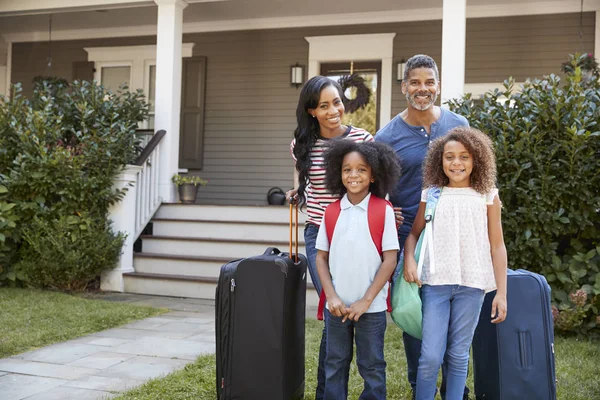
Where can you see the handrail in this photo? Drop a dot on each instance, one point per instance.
(152, 144)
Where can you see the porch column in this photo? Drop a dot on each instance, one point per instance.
(454, 24)
(168, 90)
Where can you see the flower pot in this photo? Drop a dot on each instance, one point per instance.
(187, 193)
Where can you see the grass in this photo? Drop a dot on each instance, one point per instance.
(35, 318)
(577, 369)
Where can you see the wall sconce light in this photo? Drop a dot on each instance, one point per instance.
(296, 75)
(401, 66)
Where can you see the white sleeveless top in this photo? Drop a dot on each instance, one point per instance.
(461, 243)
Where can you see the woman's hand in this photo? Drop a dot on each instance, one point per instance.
(398, 215)
(499, 309)
(410, 271)
(291, 195)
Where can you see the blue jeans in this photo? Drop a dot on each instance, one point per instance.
(412, 349)
(310, 240)
(450, 316)
(368, 333)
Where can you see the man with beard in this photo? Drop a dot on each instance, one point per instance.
(409, 134)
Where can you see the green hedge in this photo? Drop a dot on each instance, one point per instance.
(547, 147)
(59, 153)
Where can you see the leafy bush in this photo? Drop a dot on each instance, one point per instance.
(59, 153)
(8, 220)
(66, 253)
(547, 149)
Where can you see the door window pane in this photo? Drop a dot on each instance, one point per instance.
(113, 77)
(152, 88)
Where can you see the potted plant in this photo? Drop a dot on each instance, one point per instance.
(187, 185)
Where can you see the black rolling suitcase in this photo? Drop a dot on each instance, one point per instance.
(514, 360)
(260, 314)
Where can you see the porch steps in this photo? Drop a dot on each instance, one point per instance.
(189, 244)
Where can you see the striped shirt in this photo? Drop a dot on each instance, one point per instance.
(317, 195)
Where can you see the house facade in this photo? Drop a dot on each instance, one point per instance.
(236, 117)
(218, 77)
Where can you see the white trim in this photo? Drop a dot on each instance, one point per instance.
(130, 52)
(357, 48)
(424, 14)
(8, 67)
(3, 80)
(597, 35)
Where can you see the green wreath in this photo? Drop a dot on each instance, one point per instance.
(363, 93)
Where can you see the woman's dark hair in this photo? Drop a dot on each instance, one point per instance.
(382, 159)
(483, 176)
(307, 132)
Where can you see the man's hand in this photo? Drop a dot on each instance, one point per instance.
(398, 215)
(357, 309)
(499, 309)
(410, 271)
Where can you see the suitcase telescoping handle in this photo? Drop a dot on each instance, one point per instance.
(292, 206)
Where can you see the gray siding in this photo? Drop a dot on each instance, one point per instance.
(250, 105)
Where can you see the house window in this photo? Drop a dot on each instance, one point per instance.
(151, 94)
(113, 77)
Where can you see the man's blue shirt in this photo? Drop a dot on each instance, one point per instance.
(410, 144)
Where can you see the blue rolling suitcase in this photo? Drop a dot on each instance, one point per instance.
(514, 360)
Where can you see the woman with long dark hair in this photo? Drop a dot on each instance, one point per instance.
(319, 117)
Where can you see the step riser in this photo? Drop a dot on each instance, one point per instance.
(181, 267)
(197, 290)
(208, 249)
(177, 267)
(217, 230)
(241, 213)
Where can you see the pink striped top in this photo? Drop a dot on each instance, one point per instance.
(317, 196)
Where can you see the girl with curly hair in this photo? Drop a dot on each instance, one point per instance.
(468, 258)
(354, 270)
(319, 116)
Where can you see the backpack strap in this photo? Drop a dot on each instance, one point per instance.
(433, 195)
(376, 220)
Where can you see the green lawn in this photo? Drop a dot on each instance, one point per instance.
(34, 318)
(577, 368)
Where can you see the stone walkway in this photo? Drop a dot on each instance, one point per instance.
(99, 365)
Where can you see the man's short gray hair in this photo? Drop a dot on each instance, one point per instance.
(421, 61)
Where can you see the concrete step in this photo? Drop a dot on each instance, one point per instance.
(280, 214)
(217, 229)
(210, 247)
(185, 286)
(172, 264)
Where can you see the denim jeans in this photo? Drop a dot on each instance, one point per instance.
(450, 316)
(412, 349)
(310, 240)
(368, 333)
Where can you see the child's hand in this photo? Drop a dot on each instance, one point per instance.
(357, 309)
(499, 309)
(410, 271)
(337, 307)
(398, 215)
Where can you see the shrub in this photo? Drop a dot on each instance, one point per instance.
(59, 153)
(547, 146)
(67, 253)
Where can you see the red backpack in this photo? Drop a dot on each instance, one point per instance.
(376, 219)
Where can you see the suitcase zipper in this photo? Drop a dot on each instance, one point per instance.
(232, 285)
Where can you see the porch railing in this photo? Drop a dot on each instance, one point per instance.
(147, 196)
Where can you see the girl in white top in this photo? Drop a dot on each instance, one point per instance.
(468, 257)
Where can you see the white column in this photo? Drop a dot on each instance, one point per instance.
(454, 24)
(122, 215)
(8, 70)
(597, 36)
(168, 90)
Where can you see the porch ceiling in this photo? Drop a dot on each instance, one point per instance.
(214, 13)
